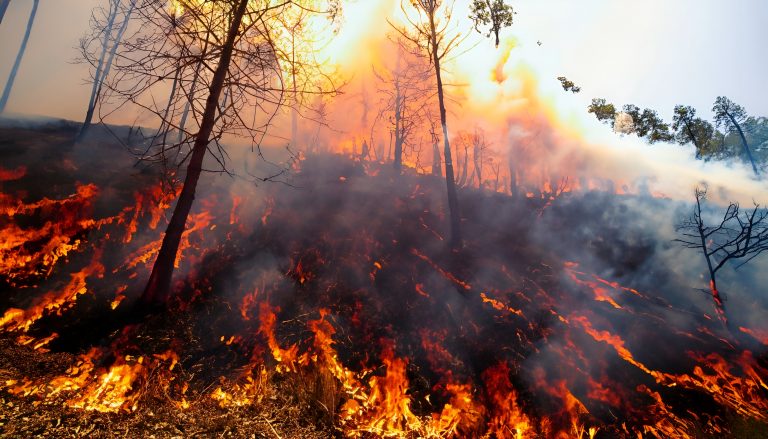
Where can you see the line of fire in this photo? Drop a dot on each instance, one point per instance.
(370, 219)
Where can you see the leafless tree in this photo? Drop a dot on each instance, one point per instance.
(405, 92)
(109, 41)
(233, 49)
(479, 154)
(429, 30)
(740, 235)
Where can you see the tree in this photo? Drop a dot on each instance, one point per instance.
(495, 14)
(19, 56)
(238, 43)
(405, 95)
(3, 7)
(731, 116)
(648, 124)
(740, 235)
(568, 85)
(437, 160)
(429, 34)
(479, 147)
(690, 129)
(604, 112)
(104, 63)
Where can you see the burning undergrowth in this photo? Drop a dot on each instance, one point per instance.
(332, 299)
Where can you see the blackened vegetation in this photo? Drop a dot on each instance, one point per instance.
(368, 244)
(740, 237)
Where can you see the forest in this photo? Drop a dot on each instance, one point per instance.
(375, 219)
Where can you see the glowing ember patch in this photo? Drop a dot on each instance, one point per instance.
(761, 336)
(498, 305)
(12, 174)
(448, 275)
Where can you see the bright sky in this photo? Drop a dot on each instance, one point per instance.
(655, 53)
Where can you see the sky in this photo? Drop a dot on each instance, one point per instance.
(655, 53)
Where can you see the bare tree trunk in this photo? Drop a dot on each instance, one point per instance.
(437, 160)
(294, 122)
(398, 162)
(113, 8)
(453, 201)
(190, 100)
(165, 124)
(512, 178)
(3, 6)
(693, 138)
(399, 103)
(191, 95)
(478, 160)
(462, 160)
(19, 56)
(100, 77)
(745, 144)
(295, 94)
(719, 305)
(158, 288)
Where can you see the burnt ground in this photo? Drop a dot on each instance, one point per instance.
(317, 249)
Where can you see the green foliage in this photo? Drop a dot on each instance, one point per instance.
(733, 118)
(691, 129)
(719, 141)
(603, 111)
(728, 113)
(493, 14)
(568, 85)
(648, 125)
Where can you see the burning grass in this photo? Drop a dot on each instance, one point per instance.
(330, 307)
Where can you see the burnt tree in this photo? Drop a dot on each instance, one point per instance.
(428, 33)
(740, 235)
(405, 94)
(238, 43)
(107, 54)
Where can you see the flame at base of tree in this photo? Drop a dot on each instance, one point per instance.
(378, 329)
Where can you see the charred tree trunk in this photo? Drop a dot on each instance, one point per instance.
(694, 140)
(719, 305)
(398, 162)
(158, 288)
(295, 94)
(453, 201)
(19, 56)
